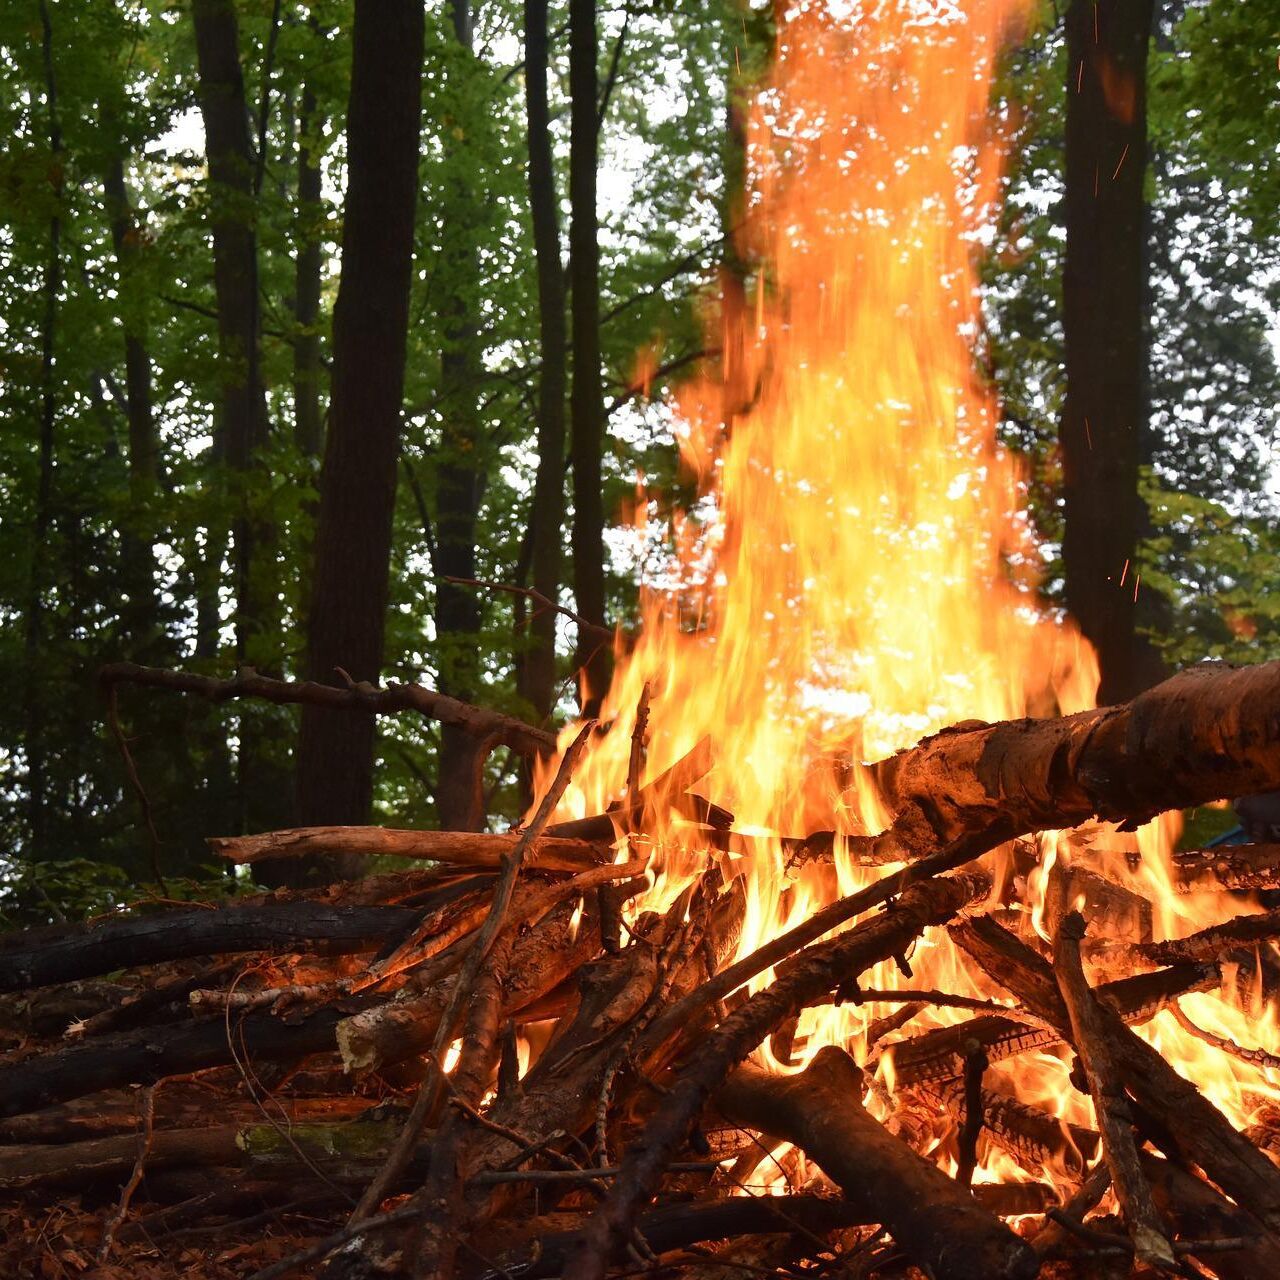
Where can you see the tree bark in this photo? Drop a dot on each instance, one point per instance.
(537, 658)
(33, 741)
(357, 488)
(308, 423)
(1104, 320)
(460, 471)
(139, 614)
(586, 405)
(244, 421)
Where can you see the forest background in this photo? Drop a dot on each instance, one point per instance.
(307, 308)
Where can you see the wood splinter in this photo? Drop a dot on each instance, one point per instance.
(1115, 1121)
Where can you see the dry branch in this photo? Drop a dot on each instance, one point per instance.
(1115, 1122)
(461, 848)
(823, 967)
(1231, 867)
(360, 696)
(938, 1224)
(1200, 1129)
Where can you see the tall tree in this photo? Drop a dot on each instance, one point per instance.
(538, 660)
(34, 743)
(1104, 418)
(586, 404)
(244, 423)
(460, 464)
(140, 613)
(347, 620)
(308, 421)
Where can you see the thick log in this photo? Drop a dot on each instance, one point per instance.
(822, 967)
(393, 1031)
(462, 848)
(1208, 733)
(938, 1224)
(123, 943)
(1110, 1103)
(1200, 1129)
(151, 1053)
(1214, 943)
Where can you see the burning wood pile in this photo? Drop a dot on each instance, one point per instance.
(512, 1063)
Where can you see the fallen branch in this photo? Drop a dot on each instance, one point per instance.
(938, 1224)
(1115, 1123)
(824, 967)
(461, 848)
(1201, 1130)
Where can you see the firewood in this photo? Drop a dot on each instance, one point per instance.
(1033, 1137)
(939, 1054)
(1115, 1121)
(1229, 867)
(1201, 1130)
(459, 848)
(937, 1222)
(820, 968)
(1208, 733)
(171, 935)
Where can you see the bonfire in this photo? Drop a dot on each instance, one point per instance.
(849, 937)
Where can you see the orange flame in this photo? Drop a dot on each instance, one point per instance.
(858, 571)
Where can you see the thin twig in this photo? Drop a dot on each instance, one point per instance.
(593, 628)
(148, 1114)
(1254, 1057)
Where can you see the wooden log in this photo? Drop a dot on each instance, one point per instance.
(1200, 1129)
(1208, 733)
(123, 943)
(939, 1054)
(390, 1032)
(1229, 867)
(1111, 1105)
(937, 1223)
(821, 967)
(151, 1053)
(1214, 943)
(462, 848)
(1033, 1137)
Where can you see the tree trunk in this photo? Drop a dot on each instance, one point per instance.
(537, 663)
(358, 481)
(586, 447)
(308, 423)
(244, 422)
(1104, 317)
(460, 474)
(140, 613)
(33, 637)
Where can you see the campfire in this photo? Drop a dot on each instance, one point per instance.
(849, 937)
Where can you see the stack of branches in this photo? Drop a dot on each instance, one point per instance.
(497, 1066)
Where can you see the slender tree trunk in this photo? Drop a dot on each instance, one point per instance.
(140, 614)
(586, 446)
(244, 422)
(34, 692)
(1104, 418)
(358, 481)
(308, 423)
(460, 472)
(537, 659)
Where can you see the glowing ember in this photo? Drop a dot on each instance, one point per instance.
(859, 571)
